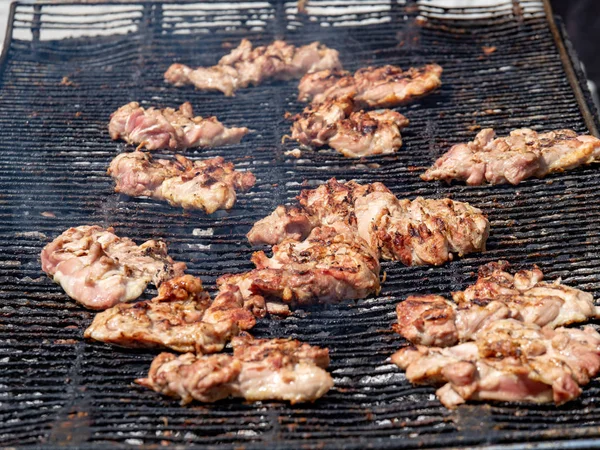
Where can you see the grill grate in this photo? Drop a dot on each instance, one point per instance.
(58, 391)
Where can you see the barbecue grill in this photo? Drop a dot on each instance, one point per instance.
(505, 66)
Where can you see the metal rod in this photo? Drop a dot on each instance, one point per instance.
(588, 116)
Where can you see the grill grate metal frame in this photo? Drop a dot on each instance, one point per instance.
(57, 390)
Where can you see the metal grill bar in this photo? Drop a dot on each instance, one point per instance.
(58, 391)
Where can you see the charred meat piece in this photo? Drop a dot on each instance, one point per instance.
(353, 134)
(433, 320)
(421, 231)
(99, 269)
(260, 369)
(523, 154)
(246, 66)
(181, 318)
(169, 128)
(509, 361)
(208, 184)
(331, 265)
(371, 87)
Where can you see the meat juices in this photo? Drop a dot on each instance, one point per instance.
(260, 369)
(509, 361)
(371, 87)
(170, 129)
(353, 134)
(521, 155)
(433, 320)
(246, 66)
(208, 184)
(182, 317)
(99, 269)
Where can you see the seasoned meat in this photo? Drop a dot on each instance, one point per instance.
(433, 320)
(260, 369)
(315, 83)
(331, 265)
(422, 231)
(169, 128)
(99, 269)
(283, 223)
(371, 87)
(509, 361)
(523, 154)
(208, 184)
(246, 66)
(353, 134)
(181, 318)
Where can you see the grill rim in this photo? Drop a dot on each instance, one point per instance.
(558, 442)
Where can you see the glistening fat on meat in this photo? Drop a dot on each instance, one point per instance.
(169, 128)
(497, 294)
(209, 184)
(259, 369)
(100, 269)
(247, 65)
(182, 317)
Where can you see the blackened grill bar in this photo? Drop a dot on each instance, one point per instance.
(61, 391)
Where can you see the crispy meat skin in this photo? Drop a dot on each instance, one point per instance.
(260, 369)
(332, 264)
(99, 269)
(169, 128)
(422, 231)
(208, 184)
(246, 66)
(509, 361)
(181, 318)
(521, 155)
(353, 134)
(371, 87)
(433, 320)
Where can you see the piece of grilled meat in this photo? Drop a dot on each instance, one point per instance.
(497, 294)
(169, 128)
(182, 317)
(509, 361)
(246, 66)
(260, 369)
(521, 155)
(208, 184)
(352, 133)
(99, 269)
(421, 231)
(371, 87)
(331, 265)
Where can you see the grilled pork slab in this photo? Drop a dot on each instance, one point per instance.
(497, 294)
(421, 231)
(371, 87)
(208, 184)
(169, 128)
(260, 369)
(509, 361)
(99, 269)
(246, 66)
(331, 265)
(182, 317)
(352, 133)
(521, 155)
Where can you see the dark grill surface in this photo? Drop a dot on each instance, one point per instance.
(58, 390)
